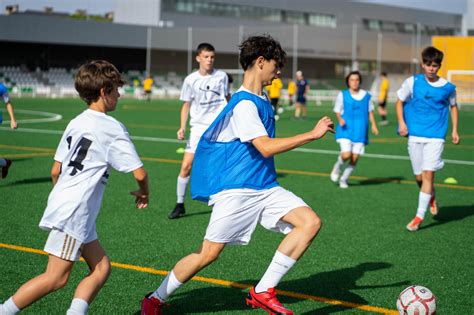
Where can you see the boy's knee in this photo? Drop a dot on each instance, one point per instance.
(56, 282)
(312, 225)
(103, 268)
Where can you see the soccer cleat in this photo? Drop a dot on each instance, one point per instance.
(152, 305)
(414, 224)
(267, 301)
(335, 175)
(5, 168)
(177, 212)
(433, 206)
(343, 184)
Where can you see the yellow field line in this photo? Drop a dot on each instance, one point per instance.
(368, 308)
(283, 171)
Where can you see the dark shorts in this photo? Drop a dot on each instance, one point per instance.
(274, 101)
(301, 100)
(383, 104)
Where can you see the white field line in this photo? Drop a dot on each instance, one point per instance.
(302, 150)
(49, 117)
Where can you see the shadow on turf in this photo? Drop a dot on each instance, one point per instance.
(449, 214)
(30, 181)
(379, 180)
(337, 284)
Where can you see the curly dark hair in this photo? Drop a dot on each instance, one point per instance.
(263, 45)
(94, 76)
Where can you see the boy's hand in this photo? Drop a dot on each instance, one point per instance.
(141, 199)
(342, 122)
(375, 130)
(455, 137)
(402, 129)
(180, 133)
(13, 124)
(324, 125)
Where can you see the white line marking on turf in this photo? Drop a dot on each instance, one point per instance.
(303, 150)
(50, 117)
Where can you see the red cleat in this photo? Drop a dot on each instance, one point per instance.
(414, 224)
(433, 206)
(152, 306)
(5, 168)
(267, 301)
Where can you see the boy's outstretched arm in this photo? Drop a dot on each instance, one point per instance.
(270, 146)
(402, 127)
(13, 123)
(454, 120)
(55, 171)
(142, 194)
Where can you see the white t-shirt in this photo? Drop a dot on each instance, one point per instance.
(246, 125)
(405, 93)
(339, 103)
(207, 97)
(91, 144)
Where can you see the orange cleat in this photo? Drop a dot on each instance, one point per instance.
(433, 206)
(414, 224)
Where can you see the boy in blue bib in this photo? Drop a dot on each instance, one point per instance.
(234, 171)
(424, 103)
(353, 110)
(6, 163)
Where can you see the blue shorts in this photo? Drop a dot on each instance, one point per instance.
(301, 100)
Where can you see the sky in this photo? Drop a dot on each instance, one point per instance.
(103, 6)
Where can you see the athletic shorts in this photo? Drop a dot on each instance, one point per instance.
(426, 156)
(64, 246)
(274, 101)
(349, 146)
(192, 143)
(383, 104)
(301, 100)
(236, 214)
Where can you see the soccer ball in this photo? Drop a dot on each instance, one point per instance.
(416, 300)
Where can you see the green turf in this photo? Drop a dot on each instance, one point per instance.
(362, 255)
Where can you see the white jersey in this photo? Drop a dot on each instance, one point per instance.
(207, 97)
(91, 143)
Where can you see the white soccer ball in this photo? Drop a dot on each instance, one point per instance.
(416, 300)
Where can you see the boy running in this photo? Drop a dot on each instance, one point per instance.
(234, 170)
(204, 93)
(91, 144)
(6, 163)
(423, 105)
(353, 110)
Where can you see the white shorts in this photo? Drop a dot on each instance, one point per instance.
(235, 214)
(64, 246)
(192, 143)
(349, 146)
(426, 156)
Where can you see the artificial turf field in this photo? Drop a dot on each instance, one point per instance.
(359, 263)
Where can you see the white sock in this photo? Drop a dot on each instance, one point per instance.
(78, 307)
(9, 307)
(3, 162)
(181, 188)
(423, 202)
(167, 287)
(339, 164)
(347, 172)
(279, 266)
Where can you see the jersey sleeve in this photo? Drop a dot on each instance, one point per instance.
(339, 104)
(63, 147)
(406, 90)
(186, 92)
(226, 85)
(247, 122)
(122, 156)
(452, 98)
